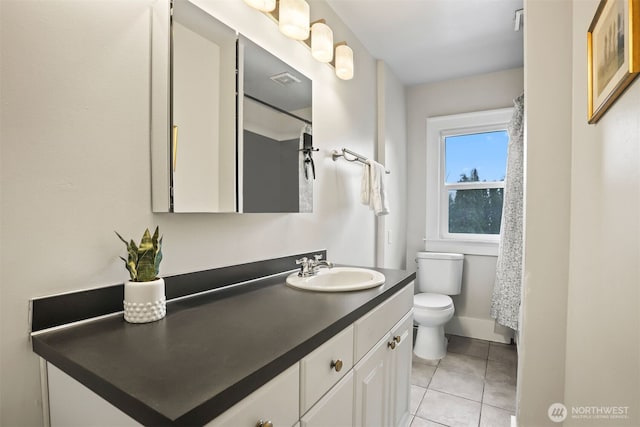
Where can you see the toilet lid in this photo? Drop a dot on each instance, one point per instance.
(433, 301)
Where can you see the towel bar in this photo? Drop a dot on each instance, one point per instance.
(357, 157)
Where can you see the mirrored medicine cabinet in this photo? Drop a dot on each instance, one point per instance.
(229, 120)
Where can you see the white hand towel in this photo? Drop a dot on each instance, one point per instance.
(378, 200)
(365, 185)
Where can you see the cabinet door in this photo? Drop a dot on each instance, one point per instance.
(71, 404)
(372, 391)
(400, 371)
(335, 409)
(275, 402)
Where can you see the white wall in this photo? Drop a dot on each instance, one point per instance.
(477, 93)
(581, 339)
(392, 152)
(603, 321)
(548, 34)
(75, 164)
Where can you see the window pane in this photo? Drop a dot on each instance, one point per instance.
(475, 211)
(476, 157)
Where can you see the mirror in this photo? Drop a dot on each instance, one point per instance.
(193, 110)
(276, 119)
(203, 92)
(229, 121)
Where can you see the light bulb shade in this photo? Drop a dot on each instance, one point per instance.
(344, 62)
(262, 5)
(294, 19)
(321, 42)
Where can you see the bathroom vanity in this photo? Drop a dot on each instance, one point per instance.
(255, 353)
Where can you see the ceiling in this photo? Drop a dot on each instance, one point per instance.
(425, 41)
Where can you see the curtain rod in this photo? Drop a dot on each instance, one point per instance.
(278, 109)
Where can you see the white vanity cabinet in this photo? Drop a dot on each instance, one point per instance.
(380, 384)
(359, 377)
(382, 379)
(73, 405)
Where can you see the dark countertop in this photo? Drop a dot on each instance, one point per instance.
(210, 351)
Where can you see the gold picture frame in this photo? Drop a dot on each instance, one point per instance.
(613, 53)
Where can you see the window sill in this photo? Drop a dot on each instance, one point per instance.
(463, 247)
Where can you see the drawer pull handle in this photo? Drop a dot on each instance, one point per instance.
(337, 365)
(391, 344)
(397, 338)
(263, 423)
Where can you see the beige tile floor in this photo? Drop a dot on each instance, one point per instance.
(474, 385)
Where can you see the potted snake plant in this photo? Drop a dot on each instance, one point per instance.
(144, 295)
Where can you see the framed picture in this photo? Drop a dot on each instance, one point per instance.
(613, 52)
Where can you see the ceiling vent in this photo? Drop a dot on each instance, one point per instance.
(285, 79)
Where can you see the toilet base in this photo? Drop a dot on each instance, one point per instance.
(430, 343)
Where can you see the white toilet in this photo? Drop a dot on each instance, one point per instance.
(439, 275)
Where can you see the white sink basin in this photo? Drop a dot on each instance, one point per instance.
(338, 279)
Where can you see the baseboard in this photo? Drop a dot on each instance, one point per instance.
(484, 329)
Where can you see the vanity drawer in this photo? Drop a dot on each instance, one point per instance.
(371, 327)
(275, 402)
(324, 367)
(335, 409)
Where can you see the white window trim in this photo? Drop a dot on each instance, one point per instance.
(438, 238)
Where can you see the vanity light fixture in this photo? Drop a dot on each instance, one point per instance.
(344, 61)
(321, 41)
(293, 16)
(262, 5)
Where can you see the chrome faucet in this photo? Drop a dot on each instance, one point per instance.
(310, 267)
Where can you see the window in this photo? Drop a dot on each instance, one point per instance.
(466, 165)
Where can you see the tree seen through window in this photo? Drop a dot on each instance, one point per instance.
(475, 211)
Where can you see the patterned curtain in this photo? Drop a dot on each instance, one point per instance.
(505, 302)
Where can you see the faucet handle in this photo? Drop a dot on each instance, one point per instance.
(318, 257)
(305, 266)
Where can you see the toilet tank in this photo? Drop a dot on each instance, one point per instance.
(439, 272)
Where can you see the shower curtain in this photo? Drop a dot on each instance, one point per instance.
(505, 302)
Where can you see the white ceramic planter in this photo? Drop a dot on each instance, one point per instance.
(144, 301)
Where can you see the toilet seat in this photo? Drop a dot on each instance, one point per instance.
(432, 301)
